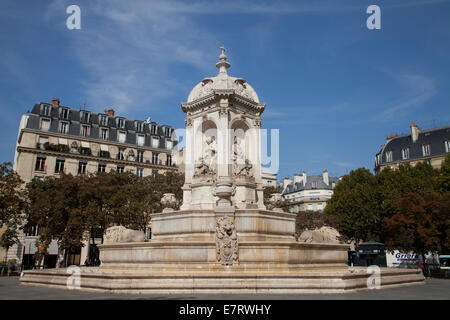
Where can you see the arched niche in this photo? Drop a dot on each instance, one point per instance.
(206, 131)
(243, 135)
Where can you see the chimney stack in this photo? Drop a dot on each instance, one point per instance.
(304, 178)
(55, 102)
(325, 177)
(110, 112)
(392, 136)
(414, 132)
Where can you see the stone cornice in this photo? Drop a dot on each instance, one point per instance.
(218, 94)
(94, 158)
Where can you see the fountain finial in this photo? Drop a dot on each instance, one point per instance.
(223, 64)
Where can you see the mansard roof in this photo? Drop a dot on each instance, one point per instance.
(76, 121)
(319, 184)
(434, 137)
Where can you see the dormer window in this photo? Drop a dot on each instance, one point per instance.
(167, 131)
(46, 110)
(405, 153)
(139, 126)
(63, 127)
(85, 130)
(64, 113)
(103, 120)
(314, 185)
(447, 145)
(103, 133)
(153, 129)
(85, 116)
(121, 123)
(389, 156)
(426, 151)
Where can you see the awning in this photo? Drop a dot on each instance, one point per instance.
(103, 147)
(84, 144)
(63, 141)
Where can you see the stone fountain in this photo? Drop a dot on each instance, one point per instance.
(223, 239)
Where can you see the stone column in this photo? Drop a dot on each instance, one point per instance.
(188, 155)
(223, 140)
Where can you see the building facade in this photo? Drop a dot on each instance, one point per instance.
(268, 177)
(55, 139)
(308, 193)
(431, 145)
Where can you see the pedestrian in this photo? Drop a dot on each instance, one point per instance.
(426, 269)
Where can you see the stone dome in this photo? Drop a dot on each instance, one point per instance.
(223, 82)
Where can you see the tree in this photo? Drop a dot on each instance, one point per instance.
(55, 206)
(394, 184)
(13, 204)
(67, 208)
(443, 180)
(417, 226)
(355, 204)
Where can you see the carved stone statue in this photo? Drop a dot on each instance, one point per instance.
(211, 153)
(241, 165)
(119, 234)
(322, 235)
(206, 165)
(226, 241)
(169, 202)
(275, 202)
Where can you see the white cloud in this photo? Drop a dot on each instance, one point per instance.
(129, 49)
(419, 89)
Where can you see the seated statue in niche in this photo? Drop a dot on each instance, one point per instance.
(241, 165)
(206, 165)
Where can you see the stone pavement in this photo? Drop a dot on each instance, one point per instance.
(10, 289)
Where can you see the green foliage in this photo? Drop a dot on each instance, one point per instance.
(67, 207)
(355, 204)
(415, 226)
(401, 207)
(12, 204)
(443, 180)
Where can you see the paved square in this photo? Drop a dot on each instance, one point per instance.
(10, 289)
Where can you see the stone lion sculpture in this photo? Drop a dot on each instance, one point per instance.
(275, 202)
(120, 234)
(169, 202)
(322, 235)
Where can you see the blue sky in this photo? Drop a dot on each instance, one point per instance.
(333, 88)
